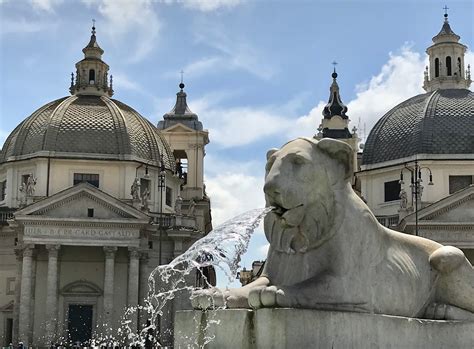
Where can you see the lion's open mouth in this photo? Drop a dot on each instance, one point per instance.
(280, 210)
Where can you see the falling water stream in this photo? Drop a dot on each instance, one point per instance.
(221, 248)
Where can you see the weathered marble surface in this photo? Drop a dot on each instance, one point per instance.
(327, 250)
(307, 328)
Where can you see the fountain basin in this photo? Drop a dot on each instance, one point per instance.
(300, 328)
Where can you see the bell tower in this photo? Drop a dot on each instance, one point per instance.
(335, 122)
(186, 137)
(91, 72)
(446, 61)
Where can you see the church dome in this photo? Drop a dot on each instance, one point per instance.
(87, 127)
(438, 122)
(88, 124)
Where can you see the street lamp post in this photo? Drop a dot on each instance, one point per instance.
(161, 189)
(415, 185)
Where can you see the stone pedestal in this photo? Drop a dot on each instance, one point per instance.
(304, 328)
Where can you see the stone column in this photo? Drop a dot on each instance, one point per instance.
(133, 279)
(109, 287)
(52, 294)
(16, 306)
(25, 295)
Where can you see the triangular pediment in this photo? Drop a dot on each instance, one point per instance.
(456, 208)
(76, 203)
(179, 128)
(7, 307)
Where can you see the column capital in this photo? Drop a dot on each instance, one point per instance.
(28, 250)
(53, 249)
(110, 251)
(133, 252)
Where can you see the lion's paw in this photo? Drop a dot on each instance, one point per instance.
(265, 297)
(208, 299)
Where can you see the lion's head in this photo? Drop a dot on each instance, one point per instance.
(300, 183)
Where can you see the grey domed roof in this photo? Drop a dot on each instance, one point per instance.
(87, 127)
(440, 122)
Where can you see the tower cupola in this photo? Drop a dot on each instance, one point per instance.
(91, 72)
(446, 61)
(335, 105)
(335, 123)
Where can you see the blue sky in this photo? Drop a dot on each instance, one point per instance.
(256, 72)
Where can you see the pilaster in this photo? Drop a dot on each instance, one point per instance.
(109, 287)
(52, 293)
(16, 306)
(133, 286)
(143, 288)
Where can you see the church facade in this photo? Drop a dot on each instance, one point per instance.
(92, 198)
(417, 170)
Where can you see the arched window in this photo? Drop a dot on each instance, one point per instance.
(459, 67)
(436, 67)
(91, 76)
(448, 66)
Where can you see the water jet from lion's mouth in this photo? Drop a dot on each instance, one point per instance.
(221, 248)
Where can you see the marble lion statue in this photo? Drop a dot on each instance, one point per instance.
(327, 250)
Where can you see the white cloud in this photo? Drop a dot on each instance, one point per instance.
(45, 5)
(263, 251)
(235, 53)
(233, 187)
(200, 67)
(121, 81)
(242, 125)
(210, 5)
(399, 79)
(133, 21)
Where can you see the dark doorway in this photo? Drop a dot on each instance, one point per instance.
(9, 332)
(80, 322)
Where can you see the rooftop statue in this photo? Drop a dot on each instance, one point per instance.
(327, 250)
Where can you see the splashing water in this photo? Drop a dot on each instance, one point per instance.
(221, 248)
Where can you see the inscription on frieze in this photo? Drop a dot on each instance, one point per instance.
(65, 232)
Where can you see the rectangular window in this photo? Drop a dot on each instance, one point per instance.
(90, 178)
(3, 190)
(392, 190)
(10, 286)
(169, 196)
(459, 182)
(90, 212)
